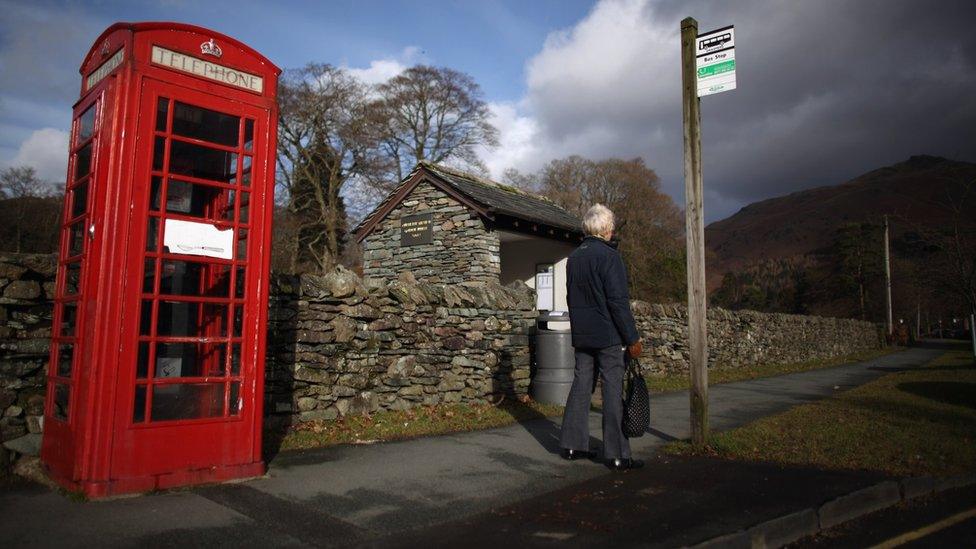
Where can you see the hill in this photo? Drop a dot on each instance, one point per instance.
(781, 237)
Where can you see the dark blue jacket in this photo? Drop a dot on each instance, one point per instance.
(599, 303)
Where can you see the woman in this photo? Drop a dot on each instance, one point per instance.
(602, 323)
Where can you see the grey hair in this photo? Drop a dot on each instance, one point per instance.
(598, 220)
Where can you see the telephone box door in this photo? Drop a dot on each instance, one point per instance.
(186, 395)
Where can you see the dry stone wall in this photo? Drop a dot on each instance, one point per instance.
(746, 338)
(26, 305)
(338, 346)
(461, 248)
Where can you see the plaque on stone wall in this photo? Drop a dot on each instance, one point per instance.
(415, 229)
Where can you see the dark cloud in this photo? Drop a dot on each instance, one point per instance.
(826, 90)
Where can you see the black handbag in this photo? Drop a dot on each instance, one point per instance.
(637, 403)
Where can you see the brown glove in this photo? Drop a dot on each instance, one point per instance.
(634, 350)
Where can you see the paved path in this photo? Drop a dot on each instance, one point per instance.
(349, 494)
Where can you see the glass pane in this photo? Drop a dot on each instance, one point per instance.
(76, 238)
(86, 125)
(241, 244)
(69, 317)
(239, 283)
(177, 318)
(202, 162)
(62, 393)
(238, 319)
(162, 108)
(139, 407)
(245, 202)
(199, 200)
(235, 359)
(142, 361)
(235, 398)
(154, 192)
(183, 319)
(149, 276)
(145, 318)
(72, 277)
(229, 209)
(190, 359)
(187, 401)
(79, 199)
(189, 278)
(83, 161)
(152, 234)
(159, 153)
(204, 124)
(246, 179)
(65, 358)
(248, 134)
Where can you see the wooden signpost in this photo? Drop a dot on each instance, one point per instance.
(707, 67)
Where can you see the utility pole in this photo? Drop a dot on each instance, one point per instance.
(694, 234)
(918, 319)
(972, 331)
(887, 268)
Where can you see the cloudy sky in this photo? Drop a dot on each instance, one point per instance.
(826, 89)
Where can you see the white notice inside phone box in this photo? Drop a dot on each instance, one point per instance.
(187, 237)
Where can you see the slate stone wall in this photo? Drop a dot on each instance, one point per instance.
(745, 338)
(337, 346)
(461, 250)
(26, 306)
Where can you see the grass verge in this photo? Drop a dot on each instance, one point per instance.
(921, 421)
(417, 422)
(452, 418)
(663, 384)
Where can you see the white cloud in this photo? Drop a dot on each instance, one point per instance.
(381, 70)
(518, 136)
(45, 150)
(590, 91)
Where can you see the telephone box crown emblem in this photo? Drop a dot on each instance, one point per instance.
(211, 48)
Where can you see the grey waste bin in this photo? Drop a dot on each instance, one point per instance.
(553, 358)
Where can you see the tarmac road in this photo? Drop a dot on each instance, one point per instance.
(353, 494)
(939, 520)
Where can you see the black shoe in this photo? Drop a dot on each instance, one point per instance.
(573, 455)
(623, 464)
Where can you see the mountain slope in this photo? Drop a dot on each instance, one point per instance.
(794, 226)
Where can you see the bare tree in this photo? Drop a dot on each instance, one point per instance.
(327, 138)
(21, 181)
(30, 211)
(435, 114)
(952, 244)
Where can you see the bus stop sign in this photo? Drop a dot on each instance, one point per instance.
(715, 61)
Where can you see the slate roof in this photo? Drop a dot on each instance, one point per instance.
(493, 197)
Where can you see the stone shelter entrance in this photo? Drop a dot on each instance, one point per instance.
(446, 226)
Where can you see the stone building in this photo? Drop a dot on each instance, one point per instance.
(447, 226)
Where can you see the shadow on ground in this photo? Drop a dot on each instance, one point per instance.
(956, 393)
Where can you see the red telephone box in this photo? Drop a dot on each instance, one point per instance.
(157, 356)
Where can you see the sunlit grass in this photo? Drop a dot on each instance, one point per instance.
(920, 421)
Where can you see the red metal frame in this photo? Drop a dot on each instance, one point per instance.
(103, 445)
